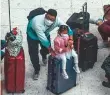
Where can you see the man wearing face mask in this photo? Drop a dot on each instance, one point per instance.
(38, 32)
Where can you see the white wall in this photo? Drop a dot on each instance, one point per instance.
(21, 8)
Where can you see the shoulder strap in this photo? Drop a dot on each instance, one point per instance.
(9, 15)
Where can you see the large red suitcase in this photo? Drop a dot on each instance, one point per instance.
(14, 68)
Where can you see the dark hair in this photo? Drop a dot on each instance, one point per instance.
(52, 12)
(62, 28)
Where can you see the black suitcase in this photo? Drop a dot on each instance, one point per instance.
(55, 81)
(80, 20)
(86, 46)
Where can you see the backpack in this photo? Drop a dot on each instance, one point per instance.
(35, 12)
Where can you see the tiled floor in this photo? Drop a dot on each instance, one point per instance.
(89, 82)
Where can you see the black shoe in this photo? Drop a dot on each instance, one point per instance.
(106, 84)
(35, 76)
(44, 61)
(106, 75)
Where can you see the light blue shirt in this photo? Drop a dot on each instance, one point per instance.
(37, 30)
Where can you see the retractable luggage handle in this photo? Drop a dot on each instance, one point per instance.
(9, 20)
(9, 15)
(78, 42)
(84, 13)
(84, 7)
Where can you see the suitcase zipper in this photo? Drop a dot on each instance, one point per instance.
(15, 74)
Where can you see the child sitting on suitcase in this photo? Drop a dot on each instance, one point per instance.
(64, 49)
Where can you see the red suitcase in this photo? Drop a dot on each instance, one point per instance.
(14, 68)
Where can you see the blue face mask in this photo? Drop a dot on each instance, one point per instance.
(48, 22)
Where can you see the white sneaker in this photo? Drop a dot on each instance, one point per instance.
(65, 74)
(76, 69)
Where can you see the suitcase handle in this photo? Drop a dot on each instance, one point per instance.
(84, 7)
(84, 13)
(84, 10)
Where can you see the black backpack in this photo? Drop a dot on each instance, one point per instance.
(35, 12)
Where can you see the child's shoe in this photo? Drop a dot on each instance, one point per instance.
(76, 68)
(65, 74)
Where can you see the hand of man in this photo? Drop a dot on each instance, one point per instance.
(65, 49)
(51, 51)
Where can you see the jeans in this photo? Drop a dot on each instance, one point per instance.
(33, 48)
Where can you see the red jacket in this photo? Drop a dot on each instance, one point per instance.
(105, 27)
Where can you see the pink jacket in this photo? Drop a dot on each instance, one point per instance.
(60, 43)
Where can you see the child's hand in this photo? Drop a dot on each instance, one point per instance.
(72, 46)
(70, 43)
(53, 53)
(65, 49)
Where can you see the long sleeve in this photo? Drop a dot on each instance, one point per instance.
(107, 22)
(57, 46)
(41, 35)
(105, 26)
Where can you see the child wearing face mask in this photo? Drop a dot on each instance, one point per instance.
(64, 49)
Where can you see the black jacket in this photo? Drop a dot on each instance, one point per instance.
(106, 65)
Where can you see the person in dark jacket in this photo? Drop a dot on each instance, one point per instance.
(107, 84)
(106, 67)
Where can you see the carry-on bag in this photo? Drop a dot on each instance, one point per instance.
(55, 81)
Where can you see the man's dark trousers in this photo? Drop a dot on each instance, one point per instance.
(33, 48)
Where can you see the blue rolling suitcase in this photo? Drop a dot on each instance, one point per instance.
(55, 81)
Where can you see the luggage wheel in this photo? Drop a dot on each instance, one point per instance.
(83, 70)
(23, 91)
(47, 88)
(15, 92)
(57, 93)
(75, 85)
(9, 92)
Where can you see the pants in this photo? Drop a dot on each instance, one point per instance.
(104, 30)
(33, 48)
(67, 55)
